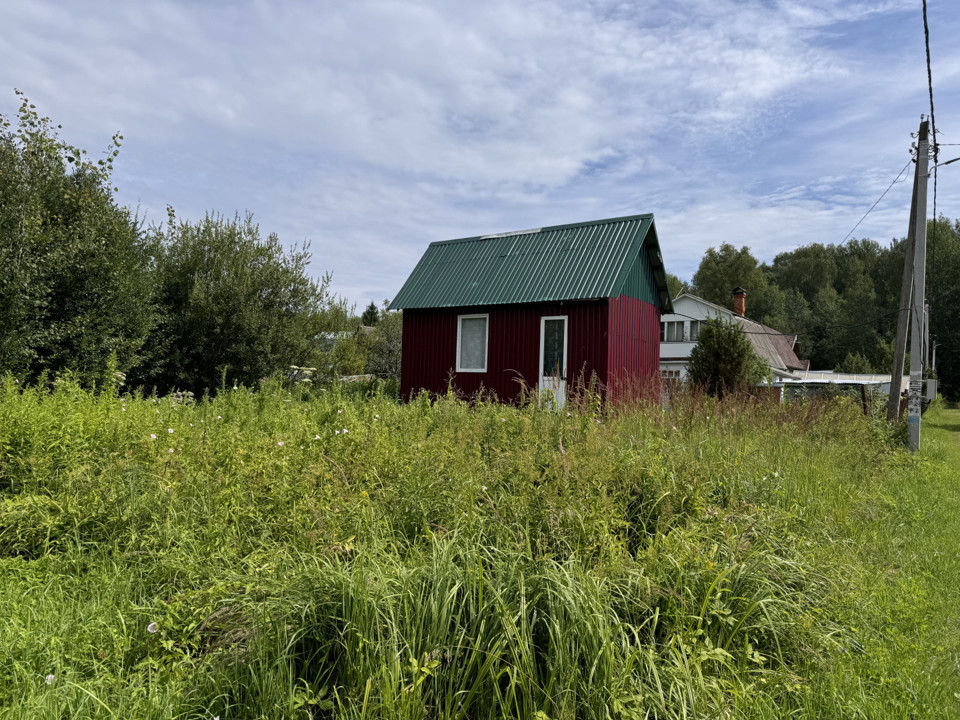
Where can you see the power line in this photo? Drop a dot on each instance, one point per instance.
(933, 124)
(878, 200)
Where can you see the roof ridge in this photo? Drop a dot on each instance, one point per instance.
(545, 228)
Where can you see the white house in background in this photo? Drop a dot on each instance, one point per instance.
(679, 332)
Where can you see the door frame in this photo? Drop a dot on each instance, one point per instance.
(566, 336)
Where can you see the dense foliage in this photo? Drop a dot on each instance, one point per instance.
(943, 295)
(74, 270)
(229, 304)
(272, 554)
(723, 359)
(843, 299)
(85, 289)
(371, 316)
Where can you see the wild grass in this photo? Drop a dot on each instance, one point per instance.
(333, 555)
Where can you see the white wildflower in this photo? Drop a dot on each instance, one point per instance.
(152, 436)
(50, 679)
(152, 627)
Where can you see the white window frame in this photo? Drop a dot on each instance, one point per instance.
(486, 341)
(566, 337)
(667, 325)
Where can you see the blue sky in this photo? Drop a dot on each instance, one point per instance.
(372, 128)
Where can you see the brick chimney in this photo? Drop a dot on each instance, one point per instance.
(740, 301)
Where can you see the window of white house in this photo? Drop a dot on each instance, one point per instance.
(670, 374)
(694, 330)
(671, 331)
(472, 343)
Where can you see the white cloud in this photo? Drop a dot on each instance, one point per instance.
(374, 127)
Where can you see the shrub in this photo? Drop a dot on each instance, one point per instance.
(230, 304)
(723, 360)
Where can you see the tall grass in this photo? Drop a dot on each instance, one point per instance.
(331, 556)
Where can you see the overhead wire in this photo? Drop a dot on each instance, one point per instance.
(933, 123)
(933, 134)
(878, 200)
(936, 153)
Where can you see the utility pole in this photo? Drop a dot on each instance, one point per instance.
(903, 318)
(919, 281)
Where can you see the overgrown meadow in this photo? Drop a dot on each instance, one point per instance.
(294, 554)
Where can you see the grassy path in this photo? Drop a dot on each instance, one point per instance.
(905, 660)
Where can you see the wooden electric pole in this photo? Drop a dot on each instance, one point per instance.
(919, 283)
(906, 292)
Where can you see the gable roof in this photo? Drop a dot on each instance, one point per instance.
(777, 349)
(599, 259)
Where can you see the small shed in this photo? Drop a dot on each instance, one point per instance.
(542, 307)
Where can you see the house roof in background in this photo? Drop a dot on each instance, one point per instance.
(580, 261)
(776, 348)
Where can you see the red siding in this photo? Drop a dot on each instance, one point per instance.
(633, 343)
(430, 353)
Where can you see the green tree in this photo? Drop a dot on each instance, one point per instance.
(349, 355)
(371, 316)
(855, 363)
(723, 359)
(808, 269)
(675, 285)
(383, 354)
(723, 269)
(230, 303)
(75, 278)
(943, 295)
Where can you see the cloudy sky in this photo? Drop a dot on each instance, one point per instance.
(372, 127)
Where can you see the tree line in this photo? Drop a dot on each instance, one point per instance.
(87, 289)
(842, 300)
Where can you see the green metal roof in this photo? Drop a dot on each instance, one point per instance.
(599, 259)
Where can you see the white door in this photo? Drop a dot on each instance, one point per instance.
(553, 357)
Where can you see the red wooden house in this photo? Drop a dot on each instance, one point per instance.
(545, 306)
